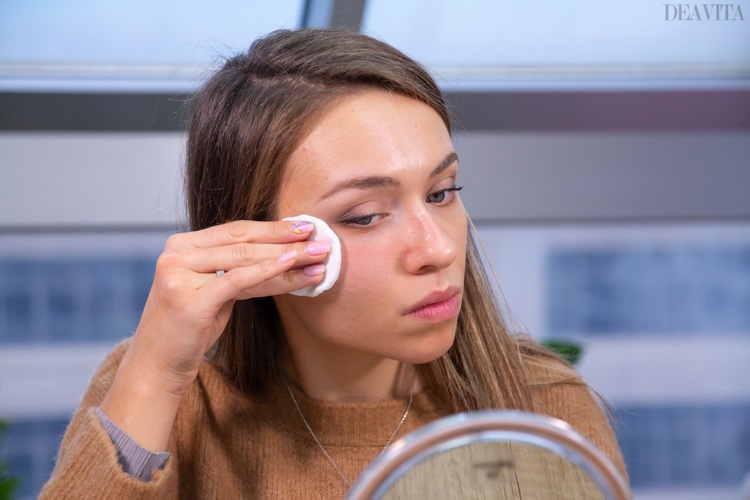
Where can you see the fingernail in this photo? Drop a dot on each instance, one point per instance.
(318, 247)
(286, 257)
(302, 227)
(314, 270)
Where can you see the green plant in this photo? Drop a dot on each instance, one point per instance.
(8, 483)
(570, 351)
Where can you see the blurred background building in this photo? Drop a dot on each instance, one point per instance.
(605, 150)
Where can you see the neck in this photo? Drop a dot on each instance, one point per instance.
(352, 378)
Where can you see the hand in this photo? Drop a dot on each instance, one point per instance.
(189, 306)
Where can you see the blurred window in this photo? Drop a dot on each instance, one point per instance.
(140, 44)
(497, 43)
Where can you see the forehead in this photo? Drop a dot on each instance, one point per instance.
(370, 133)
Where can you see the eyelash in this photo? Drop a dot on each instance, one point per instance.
(368, 218)
(445, 192)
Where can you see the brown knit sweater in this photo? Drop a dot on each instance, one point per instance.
(225, 444)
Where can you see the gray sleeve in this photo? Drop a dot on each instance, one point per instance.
(135, 460)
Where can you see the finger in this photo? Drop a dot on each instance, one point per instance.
(270, 277)
(247, 254)
(243, 231)
(287, 282)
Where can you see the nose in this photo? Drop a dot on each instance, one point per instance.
(427, 246)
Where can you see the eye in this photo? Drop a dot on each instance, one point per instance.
(363, 221)
(444, 195)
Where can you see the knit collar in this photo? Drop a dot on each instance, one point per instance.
(348, 424)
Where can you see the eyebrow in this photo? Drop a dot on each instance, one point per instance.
(380, 181)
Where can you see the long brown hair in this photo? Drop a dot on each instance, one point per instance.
(245, 123)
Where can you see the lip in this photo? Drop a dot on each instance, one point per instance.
(438, 306)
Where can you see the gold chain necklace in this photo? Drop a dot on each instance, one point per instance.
(320, 445)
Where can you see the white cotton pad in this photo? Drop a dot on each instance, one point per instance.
(322, 232)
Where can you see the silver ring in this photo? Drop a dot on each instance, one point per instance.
(219, 273)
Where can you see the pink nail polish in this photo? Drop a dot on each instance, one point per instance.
(302, 227)
(286, 257)
(314, 270)
(318, 247)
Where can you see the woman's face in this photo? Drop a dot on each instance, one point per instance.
(380, 169)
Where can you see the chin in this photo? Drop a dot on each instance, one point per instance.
(430, 349)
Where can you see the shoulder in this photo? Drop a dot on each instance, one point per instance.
(542, 369)
(559, 391)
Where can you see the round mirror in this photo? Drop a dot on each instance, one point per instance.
(492, 455)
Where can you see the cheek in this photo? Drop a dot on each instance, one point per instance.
(461, 238)
(459, 228)
(366, 269)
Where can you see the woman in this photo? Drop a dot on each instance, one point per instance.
(298, 394)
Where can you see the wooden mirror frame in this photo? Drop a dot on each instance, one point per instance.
(465, 429)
